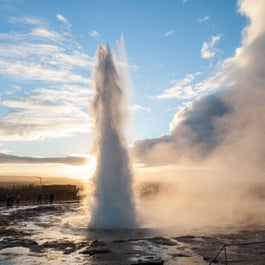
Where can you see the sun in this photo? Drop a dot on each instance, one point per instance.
(84, 172)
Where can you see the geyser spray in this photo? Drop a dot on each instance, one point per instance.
(113, 198)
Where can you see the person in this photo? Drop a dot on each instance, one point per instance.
(46, 198)
(11, 199)
(17, 199)
(39, 199)
(51, 198)
(8, 200)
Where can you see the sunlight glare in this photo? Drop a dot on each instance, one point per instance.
(84, 172)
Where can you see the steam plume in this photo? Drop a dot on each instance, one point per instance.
(228, 125)
(216, 149)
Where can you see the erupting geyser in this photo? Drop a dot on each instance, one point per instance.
(113, 205)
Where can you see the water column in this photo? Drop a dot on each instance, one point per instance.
(113, 198)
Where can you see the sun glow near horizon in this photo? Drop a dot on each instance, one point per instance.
(83, 172)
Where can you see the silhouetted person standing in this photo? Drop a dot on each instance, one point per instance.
(51, 198)
(17, 199)
(8, 200)
(46, 198)
(39, 199)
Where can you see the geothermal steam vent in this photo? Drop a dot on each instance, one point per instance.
(114, 206)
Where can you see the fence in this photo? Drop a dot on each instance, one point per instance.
(251, 256)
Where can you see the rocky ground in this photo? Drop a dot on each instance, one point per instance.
(40, 234)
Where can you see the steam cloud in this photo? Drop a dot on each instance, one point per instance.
(114, 206)
(229, 123)
(216, 148)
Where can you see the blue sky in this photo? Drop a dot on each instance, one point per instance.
(47, 49)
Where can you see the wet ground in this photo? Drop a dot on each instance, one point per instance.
(43, 234)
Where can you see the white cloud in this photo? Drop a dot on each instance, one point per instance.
(55, 105)
(94, 34)
(36, 34)
(64, 21)
(33, 71)
(169, 33)
(208, 48)
(203, 19)
(219, 80)
(134, 67)
(47, 112)
(40, 61)
(44, 33)
(182, 88)
(137, 107)
(189, 87)
(66, 94)
(26, 20)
